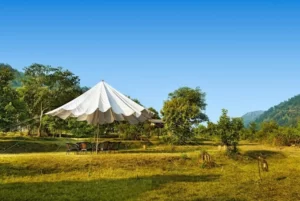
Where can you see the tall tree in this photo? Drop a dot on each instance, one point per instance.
(135, 132)
(183, 110)
(11, 107)
(155, 113)
(252, 129)
(229, 130)
(45, 88)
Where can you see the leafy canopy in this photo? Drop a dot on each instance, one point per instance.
(229, 129)
(45, 88)
(11, 106)
(182, 111)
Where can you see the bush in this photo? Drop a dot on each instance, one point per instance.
(167, 139)
(184, 156)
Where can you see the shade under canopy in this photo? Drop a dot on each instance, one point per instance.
(103, 104)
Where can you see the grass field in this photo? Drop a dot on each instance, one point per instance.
(158, 173)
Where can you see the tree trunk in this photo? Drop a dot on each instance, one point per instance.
(29, 131)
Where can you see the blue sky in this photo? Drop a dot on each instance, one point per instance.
(244, 54)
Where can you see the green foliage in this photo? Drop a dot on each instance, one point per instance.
(193, 96)
(6, 75)
(130, 132)
(252, 129)
(211, 129)
(18, 76)
(135, 132)
(229, 130)
(182, 111)
(155, 112)
(285, 114)
(200, 130)
(272, 133)
(49, 87)
(11, 105)
(169, 139)
(250, 132)
(45, 88)
(81, 128)
(184, 156)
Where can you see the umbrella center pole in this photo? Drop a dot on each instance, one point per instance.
(97, 140)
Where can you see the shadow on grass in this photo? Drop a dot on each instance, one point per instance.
(27, 138)
(155, 151)
(265, 153)
(248, 144)
(7, 169)
(105, 189)
(17, 147)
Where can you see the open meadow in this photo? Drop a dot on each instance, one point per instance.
(160, 172)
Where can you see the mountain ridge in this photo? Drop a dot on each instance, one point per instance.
(286, 113)
(251, 116)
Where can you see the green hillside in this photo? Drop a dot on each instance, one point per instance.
(286, 113)
(251, 116)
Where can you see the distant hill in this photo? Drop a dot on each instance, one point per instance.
(286, 113)
(18, 76)
(251, 116)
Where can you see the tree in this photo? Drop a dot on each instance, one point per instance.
(45, 88)
(200, 131)
(155, 113)
(81, 128)
(211, 129)
(130, 132)
(268, 128)
(249, 133)
(134, 132)
(298, 127)
(6, 75)
(11, 107)
(229, 130)
(252, 129)
(237, 126)
(182, 111)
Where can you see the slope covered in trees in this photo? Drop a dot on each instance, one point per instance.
(251, 116)
(286, 113)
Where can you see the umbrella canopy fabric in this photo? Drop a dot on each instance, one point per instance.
(103, 104)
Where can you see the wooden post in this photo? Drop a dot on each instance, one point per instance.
(258, 163)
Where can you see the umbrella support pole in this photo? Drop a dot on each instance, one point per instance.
(97, 141)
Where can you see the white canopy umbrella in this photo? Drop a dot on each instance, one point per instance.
(103, 104)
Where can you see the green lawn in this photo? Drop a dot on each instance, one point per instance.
(159, 173)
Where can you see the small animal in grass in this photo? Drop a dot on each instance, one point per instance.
(264, 164)
(205, 157)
